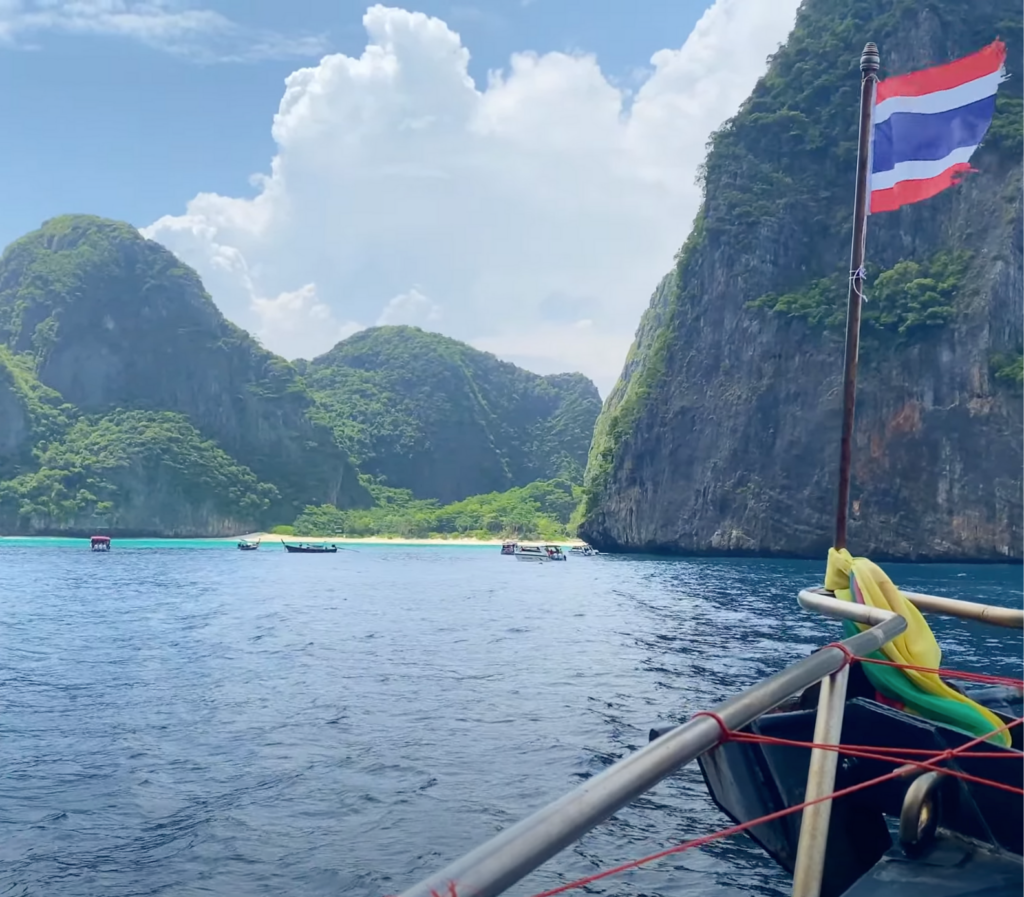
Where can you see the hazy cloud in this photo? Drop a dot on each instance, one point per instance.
(201, 34)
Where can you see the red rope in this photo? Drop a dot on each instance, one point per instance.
(726, 732)
(871, 753)
(771, 817)
(896, 753)
(949, 674)
(839, 646)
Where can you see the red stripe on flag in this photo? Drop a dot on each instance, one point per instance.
(944, 77)
(907, 192)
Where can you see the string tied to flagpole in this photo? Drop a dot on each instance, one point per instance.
(857, 278)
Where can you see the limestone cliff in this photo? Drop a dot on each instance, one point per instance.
(722, 435)
(113, 322)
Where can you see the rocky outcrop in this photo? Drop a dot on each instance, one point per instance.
(722, 436)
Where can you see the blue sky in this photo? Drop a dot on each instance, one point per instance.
(109, 125)
(391, 181)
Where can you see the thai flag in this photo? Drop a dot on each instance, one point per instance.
(928, 124)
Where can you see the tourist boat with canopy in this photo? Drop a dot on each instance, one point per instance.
(542, 553)
(863, 770)
(247, 545)
(99, 543)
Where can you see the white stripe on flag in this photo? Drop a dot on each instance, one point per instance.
(919, 171)
(941, 100)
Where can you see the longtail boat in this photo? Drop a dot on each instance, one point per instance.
(862, 769)
(310, 548)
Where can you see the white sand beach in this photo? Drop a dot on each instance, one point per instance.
(383, 540)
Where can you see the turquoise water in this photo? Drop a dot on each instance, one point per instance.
(185, 722)
(207, 544)
(122, 544)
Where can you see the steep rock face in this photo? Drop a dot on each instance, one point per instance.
(115, 321)
(15, 434)
(722, 436)
(431, 414)
(29, 412)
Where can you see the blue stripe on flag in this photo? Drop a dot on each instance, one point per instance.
(917, 137)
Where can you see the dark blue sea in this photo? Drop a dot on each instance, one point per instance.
(180, 721)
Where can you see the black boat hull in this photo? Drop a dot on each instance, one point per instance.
(749, 780)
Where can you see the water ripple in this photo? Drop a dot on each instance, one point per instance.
(184, 722)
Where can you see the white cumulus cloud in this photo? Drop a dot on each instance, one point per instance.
(538, 211)
(284, 320)
(410, 308)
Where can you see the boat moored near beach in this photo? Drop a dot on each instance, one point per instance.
(246, 545)
(509, 547)
(540, 553)
(309, 548)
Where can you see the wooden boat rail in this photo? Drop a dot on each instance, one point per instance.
(513, 854)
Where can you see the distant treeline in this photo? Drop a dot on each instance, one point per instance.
(541, 510)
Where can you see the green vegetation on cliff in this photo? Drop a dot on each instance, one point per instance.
(101, 470)
(907, 297)
(432, 415)
(644, 369)
(540, 510)
(1008, 368)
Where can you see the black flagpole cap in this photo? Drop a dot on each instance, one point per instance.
(869, 60)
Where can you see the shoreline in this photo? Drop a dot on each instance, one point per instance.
(274, 538)
(464, 542)
(399, 540)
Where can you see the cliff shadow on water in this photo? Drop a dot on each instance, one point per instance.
(722, 434)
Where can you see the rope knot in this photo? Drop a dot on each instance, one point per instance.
(727, 733)
(847, 653)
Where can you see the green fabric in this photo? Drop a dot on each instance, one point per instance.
(891, 682)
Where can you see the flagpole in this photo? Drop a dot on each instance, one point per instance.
(869, 63)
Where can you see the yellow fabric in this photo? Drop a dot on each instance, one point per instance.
(917, 645)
